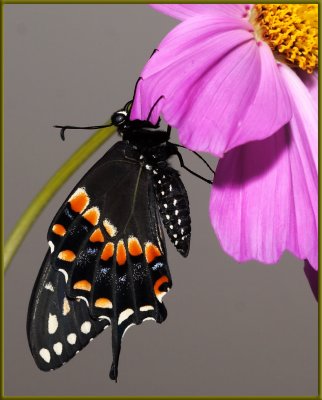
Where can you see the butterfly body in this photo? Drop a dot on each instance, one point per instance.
(107, 263)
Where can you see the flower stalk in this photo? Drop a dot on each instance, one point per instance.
(48, 191)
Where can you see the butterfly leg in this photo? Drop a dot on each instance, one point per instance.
(182, 164)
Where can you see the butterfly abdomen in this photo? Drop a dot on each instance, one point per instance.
(173, 205)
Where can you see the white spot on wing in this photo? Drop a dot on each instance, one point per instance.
(66, 307)
(64, 273)
(49, 286)
(146, 308)
(149, 319)
(104, 317)
(126, 329)
(52, 324)
(86, 327)
(83, 298)
(71, 338)
(52, 246)
(160, 296)
(45, 355)
(125, 315)
(58, 348)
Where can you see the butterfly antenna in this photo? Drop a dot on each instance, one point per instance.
(136, 86)
(153, 52)
(153, 107)
(140, 78)
(64, 127)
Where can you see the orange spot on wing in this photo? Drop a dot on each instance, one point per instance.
(92, 215)
(59, 229)
(79, 200)
(158, 283)
(97, 236)
(67, 255)
(151, 252)
(108, 251)
(121, 253)
(134, 246)
(110, 228)
(103, 302)
(83, 285)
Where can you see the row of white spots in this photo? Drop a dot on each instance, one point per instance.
(128, 312)
(71, 338)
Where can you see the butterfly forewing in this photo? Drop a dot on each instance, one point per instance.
(107, 250)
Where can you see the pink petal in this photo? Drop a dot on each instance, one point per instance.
(219, 87)
(184, 11)
(265, 197)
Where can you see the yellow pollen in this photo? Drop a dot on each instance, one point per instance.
(291, 31)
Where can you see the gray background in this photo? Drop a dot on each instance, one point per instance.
(232, 329)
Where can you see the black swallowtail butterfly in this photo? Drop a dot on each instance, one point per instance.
(107, 262)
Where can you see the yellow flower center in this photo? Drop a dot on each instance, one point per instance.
(291, 31)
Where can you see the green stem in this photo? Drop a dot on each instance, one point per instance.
(48, 191)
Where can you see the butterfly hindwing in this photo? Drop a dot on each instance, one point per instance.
(107, 248)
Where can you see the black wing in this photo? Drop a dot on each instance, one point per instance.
(57, 326)
(107, 242)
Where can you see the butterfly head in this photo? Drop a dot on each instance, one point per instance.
(120, 118)
(126, 126)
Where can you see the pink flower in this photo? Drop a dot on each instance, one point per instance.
(222, 78)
